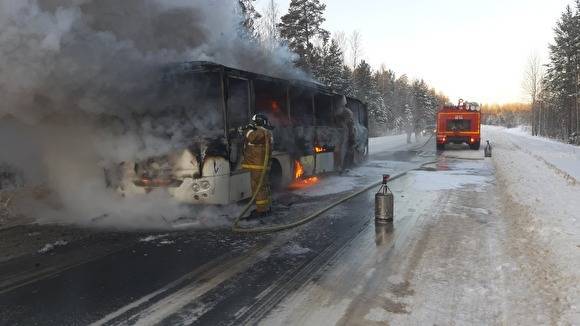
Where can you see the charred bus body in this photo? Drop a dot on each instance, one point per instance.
(314, 133)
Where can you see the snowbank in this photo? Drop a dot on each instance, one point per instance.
(540, 182)
(560, 157)
(386, 143)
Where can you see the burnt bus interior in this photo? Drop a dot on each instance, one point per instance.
(301, 112)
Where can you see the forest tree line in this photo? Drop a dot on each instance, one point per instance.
(553, 88)
(509, 115)
(396, 103)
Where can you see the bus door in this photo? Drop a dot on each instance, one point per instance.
(238, 114)
(328, 135)
(302, 116)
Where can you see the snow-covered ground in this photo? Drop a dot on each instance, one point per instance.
(563, 158)
(539, 179)
(372, 170)
(387, 143)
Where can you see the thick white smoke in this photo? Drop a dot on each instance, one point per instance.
(73, 71)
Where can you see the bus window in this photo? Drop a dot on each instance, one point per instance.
(364, 116)
(358, 112)
(301, 104)
(271, 101)
(187, 106)
(323, 110)
(354, 107)
(238, 103)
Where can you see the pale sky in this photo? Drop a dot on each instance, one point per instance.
(475, 50)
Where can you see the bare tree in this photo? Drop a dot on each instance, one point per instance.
(532, 86)
(269, 25)
(341, 40)
(356, 50)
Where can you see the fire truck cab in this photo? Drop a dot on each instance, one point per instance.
(459, 124)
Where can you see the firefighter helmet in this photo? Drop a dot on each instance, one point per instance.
(260, 120)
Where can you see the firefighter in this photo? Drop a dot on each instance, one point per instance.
(256, 136)
(344, 153)
(487, 149)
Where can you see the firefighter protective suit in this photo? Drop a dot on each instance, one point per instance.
(255, 142)
(344, 152)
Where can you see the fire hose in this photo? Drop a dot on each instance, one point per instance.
(426, 142)
(267, 229)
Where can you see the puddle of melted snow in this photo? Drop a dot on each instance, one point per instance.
(445, 180)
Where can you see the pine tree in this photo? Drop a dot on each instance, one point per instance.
(562, 73)
(344, 84)
(366, 89)
(249, 16)
(327, 64)
(386, 84)
(402, 104)
(424, 106)
(301, 26)
(362, 81)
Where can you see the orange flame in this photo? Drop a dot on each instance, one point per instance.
(275, 106)
(299, 180)
(319, 149)
(298, 170)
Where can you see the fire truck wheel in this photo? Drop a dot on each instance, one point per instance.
(475, 146)
(440, 147)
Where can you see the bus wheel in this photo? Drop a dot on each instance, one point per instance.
(276, 175)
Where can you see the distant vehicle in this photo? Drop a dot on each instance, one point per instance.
(459, 124)
(429, 130)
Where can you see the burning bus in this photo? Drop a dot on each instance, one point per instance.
(205, 103)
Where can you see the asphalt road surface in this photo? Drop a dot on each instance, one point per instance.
(438, 263)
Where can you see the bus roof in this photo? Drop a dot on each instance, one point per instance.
(208, 66)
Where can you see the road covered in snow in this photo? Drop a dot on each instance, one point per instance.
(474, 241)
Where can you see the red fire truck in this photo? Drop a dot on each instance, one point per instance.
(459, 124)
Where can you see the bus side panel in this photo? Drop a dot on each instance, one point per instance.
(240, 187)
(324, 162)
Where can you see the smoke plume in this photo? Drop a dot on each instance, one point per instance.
(73, 73)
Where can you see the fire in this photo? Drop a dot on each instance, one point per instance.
(298, 170)
(275, 107)
(299, 180)
(319, 149)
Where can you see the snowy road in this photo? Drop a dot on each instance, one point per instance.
(446, 261)
(460, 252)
